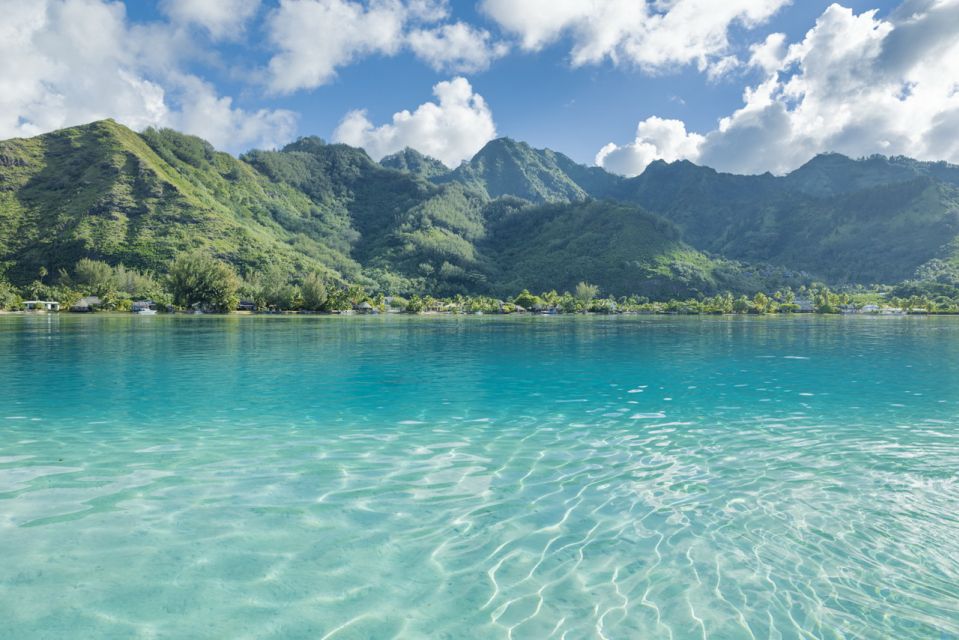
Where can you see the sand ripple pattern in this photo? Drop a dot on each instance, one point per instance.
(623, 504)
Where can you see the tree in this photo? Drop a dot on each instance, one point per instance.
(314, 292)
(8, 296)
(415, 305)
(742, 305)
(527, 300)
(585, 292)
(569, 304)
(761, 303)
(277, 291)
(197, 278)
(94, 277)
(355, 294)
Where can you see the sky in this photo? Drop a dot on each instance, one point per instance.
(745, 86)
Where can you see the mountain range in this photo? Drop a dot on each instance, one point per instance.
(511, 217)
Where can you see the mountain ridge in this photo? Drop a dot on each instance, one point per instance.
(511, 214)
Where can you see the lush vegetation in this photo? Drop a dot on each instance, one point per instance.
(412, 161)
(846, 221)
(101, 210)
(197, 281)
(505, 167)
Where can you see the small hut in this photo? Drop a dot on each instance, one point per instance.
(86, 304)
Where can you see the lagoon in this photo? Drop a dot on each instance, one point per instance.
(479, 477)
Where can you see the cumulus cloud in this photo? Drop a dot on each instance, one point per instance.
(68, 62)
(456, 47)
(315, 37)
(213, 117)
(452, 129)
(656, 139)
(650, 34)
(855, 84)
(223, 19)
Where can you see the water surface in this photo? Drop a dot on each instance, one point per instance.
(322, 477)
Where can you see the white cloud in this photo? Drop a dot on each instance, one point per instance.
(214, 118)
(224, 19)
(656, 139)
(315, 37)
(855, 84)
(653, 35)
(452, 129)
(54, 74)
(456, 47)
(768, 55)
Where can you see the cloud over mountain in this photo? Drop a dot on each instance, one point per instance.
(856, 84)
(66, 62)
(450, 130)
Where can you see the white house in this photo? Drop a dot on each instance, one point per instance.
(41, 305)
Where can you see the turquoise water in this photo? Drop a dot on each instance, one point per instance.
(198, 477)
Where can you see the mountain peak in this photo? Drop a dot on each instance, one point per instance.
(507, 167)
(307, 144)
(829, 174)
(412, 161)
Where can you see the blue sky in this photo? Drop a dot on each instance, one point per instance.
(569, 77)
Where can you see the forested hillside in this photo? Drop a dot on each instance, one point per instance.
(512, 217)
(103, 192)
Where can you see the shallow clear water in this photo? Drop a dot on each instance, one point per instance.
(174, 477)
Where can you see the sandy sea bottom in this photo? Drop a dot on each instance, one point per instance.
(717, 478)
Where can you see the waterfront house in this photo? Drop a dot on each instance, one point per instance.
(41, 306)
(144, 305)
(246, 305)
(86, 304)
(804, 305)
(870, 308)
(364, 307)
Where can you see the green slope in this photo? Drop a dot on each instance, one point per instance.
(846, 221)
(412, 161)
(105, 192)
(620, 247)
(507, 167)
(513, 217)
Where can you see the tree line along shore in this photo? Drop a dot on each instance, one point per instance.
(199, 282)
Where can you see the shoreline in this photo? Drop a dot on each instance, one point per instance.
(441, 314)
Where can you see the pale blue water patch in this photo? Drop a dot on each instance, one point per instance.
(315, 477)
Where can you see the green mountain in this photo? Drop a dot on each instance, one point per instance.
(875, 220)
(833, 174)
(506, 167)
(102, 191)
(512, 217)
(412, 161)
(872, 220)
(105, 192)
(623, 248)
